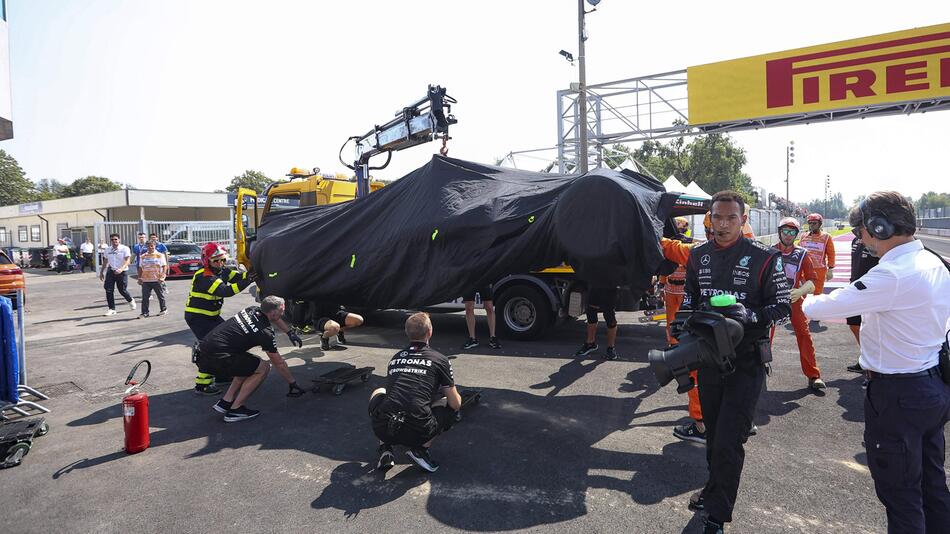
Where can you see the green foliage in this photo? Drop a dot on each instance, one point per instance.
(15, 188)
(89, 185)
(835, 207)
(48, 189)
(254, 180)
(931, 199)
(713, 161)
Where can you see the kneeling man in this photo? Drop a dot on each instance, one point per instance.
(419, 401)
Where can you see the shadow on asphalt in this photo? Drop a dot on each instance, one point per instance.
(151, 342)
(850, 397)
(494, 456)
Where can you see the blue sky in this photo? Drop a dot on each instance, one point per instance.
(184, 95)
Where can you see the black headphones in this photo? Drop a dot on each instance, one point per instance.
(876, 225)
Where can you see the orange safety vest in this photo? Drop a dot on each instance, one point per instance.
(818, 248)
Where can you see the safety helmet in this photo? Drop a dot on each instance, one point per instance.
(790, 221)
(813, 217)
(212, 251)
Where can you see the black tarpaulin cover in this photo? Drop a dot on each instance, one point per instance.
(452, 225)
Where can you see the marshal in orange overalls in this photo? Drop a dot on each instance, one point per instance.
(678, 252)
(821, 251)
(799, 269)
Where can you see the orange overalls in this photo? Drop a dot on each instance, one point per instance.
(819, 247)
(798, 269)
(678, 252)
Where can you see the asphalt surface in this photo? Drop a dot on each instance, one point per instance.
(556, 443)
(938, 244)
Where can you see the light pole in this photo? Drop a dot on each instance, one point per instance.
(827, 187)
(582, 88)
(789, 159)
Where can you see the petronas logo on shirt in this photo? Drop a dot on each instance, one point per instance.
(744, 262)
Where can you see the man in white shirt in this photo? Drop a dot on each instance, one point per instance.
(115, 272)
(62, 256)
(904, 307)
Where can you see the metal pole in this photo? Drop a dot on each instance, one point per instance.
(787, 194)
(21, 337)
(582, 90)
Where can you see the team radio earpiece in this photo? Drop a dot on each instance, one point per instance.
(876, 225)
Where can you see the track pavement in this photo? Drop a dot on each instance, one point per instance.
(556, 444)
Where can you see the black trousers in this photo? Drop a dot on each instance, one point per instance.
(728, 404)
(116, 280)
(201, 326)
(904, 420)
(87, 262)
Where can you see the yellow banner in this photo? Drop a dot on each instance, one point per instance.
(893, 67)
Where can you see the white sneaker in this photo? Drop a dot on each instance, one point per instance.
(110, 312)
(132, 304)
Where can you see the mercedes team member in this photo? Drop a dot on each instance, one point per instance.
(904, 310)
(332, 320)
(419, 401)
(752, 272)
(224, 351)
(801, 278)
(861, 262)
(210, 285)
(602, 300)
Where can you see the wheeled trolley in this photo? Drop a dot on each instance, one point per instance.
(16, 439)
(338, 378)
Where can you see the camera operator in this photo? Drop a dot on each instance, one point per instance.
(904, 313)
(731, 264)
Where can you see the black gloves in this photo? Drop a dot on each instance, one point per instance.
(294, 338)
(295, 390)
(740, 313)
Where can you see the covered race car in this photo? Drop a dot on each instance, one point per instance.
(452, 225)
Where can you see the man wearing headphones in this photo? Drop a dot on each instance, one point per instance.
(904, 320)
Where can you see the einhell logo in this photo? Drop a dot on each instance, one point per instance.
(907, 63)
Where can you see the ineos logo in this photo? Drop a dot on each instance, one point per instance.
(704, 260)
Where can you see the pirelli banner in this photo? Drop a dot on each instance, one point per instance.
(892, 68)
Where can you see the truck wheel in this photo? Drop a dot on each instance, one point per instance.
(523, 312)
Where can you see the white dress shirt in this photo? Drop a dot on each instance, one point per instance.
(904, 304)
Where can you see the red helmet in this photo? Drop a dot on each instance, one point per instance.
(212, 251)
(813, 217)
(790, 221)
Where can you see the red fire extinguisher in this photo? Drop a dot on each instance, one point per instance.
(135, 412)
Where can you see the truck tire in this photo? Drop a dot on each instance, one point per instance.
(522, 312)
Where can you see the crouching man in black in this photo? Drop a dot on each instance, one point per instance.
(419, 400)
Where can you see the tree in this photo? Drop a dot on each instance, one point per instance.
(713, 161)
(933, 200)
(90, 185)
(254, 180)
(15, 188)
(48, 189)
(834, 209)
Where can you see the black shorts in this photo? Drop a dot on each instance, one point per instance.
(242, 364)
(603, 298)
(485, 293)
(339, 317)
(854, 321)
(411, 432)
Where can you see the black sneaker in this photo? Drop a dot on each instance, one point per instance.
(470, 344)
(207, 391)
(494, 343)
(689, 432)
(710, 526)
(386, 459)
(754, 430)
(420, 455)
(697, 501)
(324, 344)
(586, 349)
(611, 353)
(243, 413)
(856, 368)
(222, 406)
(340, 338)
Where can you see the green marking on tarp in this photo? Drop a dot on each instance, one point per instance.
(352, 261)
(435, 233)
(531, 219)
(272, 275)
